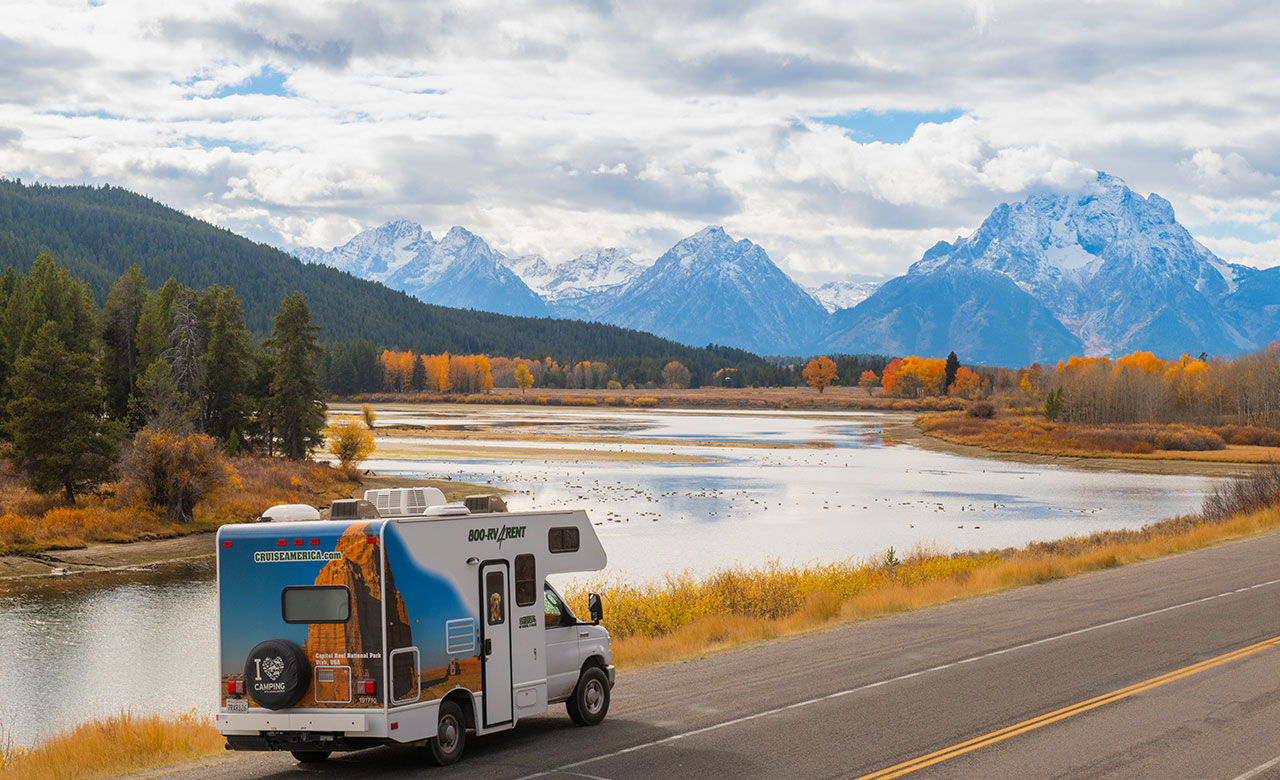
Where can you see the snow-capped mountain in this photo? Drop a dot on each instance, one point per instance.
(586, 274)
(1114, 268)
(709, 288)
(842, 294)
(459, 270)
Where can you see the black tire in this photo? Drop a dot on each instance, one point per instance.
(451, 735)
(310, 756)
(276, 674)
(589, 702)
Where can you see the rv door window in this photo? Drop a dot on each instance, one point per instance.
(493, 594)
(316, 604)
(526, 581)
(563, 539)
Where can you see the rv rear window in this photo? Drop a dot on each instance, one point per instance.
(563, 539)
(526, 581)
(316, 604)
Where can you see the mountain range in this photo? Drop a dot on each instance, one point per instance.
(1100, 271)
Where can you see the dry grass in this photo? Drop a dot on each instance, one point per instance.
(683, 616)
(112, 745)
(1034, 435)
(31, 523)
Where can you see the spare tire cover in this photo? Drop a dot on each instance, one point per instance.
(276, 673)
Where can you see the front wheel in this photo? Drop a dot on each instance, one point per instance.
(590, 699)
(451, 735)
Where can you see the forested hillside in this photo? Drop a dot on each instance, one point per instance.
(98, 232)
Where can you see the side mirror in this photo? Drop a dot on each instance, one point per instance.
(595, 607)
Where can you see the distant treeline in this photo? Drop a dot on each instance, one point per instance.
(99, 232)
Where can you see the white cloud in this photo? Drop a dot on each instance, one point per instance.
(494, 115)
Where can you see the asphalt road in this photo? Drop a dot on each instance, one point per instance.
(1163, 669)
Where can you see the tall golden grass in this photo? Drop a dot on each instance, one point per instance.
(1034, 434)
(682, 615)
(31, 523)
(120, 743)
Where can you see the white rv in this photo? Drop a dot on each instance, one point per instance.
(403, 620)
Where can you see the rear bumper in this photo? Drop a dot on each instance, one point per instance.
(253, 723)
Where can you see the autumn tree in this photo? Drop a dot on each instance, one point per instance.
(297, 405)
(524, 379)
(675, 375)
(967, 384)
(368, 415)
(174, 471)
(868, 379)
(820, 372)
(58, 433)
(350, 441)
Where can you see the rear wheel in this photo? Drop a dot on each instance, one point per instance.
(451, 735)
(589, 701)
(310, 756)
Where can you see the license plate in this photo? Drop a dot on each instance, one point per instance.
(237, 705)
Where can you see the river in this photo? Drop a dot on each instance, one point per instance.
(718, 488)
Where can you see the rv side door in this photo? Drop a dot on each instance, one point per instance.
(495, 592)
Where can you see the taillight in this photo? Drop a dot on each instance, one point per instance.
(364, 687)
(235, 686)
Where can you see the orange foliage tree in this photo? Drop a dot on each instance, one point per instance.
(967, 385)
(820, 372)
(868, 379)
(913, 377)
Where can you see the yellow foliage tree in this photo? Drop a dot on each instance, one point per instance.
(350, 441)
(820, 372)
(524, 379)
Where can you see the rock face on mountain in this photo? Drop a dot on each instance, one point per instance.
(358, 642)
(585, 275)
(1114, 268)
(459, 270)
(980, 314)
(709, 288)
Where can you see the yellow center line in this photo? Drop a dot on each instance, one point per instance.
(961, 748)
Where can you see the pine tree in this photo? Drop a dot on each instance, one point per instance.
(58, 434)
(953, 365)
(182, 352)
(120, 316)
(418, 379)
(297, 403)
(227, 363)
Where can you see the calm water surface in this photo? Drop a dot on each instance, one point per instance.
(83, 646)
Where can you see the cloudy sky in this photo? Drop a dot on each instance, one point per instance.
(844, 137)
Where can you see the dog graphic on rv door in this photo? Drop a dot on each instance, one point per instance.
(495, 607)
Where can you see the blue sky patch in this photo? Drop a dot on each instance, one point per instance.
(1242, 230)
(206, 142)
(267, 81)
(890, 127)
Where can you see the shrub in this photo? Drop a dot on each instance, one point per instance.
(172, 471)
(1247, 494)
(350, 441)
(646, 401)
(982, 410)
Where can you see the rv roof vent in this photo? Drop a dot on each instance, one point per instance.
(447, 510)
(393, 502)
(289, 513)
(353, 509)
(485, 504)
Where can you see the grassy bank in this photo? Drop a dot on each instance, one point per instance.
(31, 523)
(113, 745)
(834, 398)
(1032, 434)
(684, 615)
